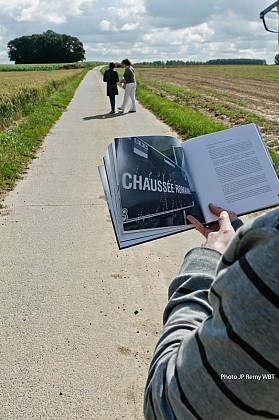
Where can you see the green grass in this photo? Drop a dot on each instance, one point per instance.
(19, 144)
(184, 121)
(275, 158)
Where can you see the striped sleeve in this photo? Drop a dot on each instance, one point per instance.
(219, 350)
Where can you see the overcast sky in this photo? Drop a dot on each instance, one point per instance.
(146, 30)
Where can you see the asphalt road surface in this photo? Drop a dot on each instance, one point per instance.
(79, 318)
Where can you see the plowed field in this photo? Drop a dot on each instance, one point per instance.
(232, 95)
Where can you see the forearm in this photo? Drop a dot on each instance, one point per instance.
(191, 285)
(187, 308)
(200, 351)
(188, 303)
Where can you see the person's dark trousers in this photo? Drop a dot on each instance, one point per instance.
(112, 102)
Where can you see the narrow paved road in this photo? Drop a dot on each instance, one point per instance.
(79, 318)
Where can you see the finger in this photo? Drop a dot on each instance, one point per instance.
(215, 210)
(224, 221)
(200, 228)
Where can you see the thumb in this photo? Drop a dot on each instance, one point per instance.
(224, 221)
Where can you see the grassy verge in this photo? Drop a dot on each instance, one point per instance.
(275, 158)
(19, 144)
(185, 121)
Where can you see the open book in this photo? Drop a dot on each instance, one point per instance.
(152, 183)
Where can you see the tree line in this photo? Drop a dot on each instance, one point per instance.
(214, 61)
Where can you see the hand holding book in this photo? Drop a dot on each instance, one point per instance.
(157, 185)
(219, 233)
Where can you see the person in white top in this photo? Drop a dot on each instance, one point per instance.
(129, 83)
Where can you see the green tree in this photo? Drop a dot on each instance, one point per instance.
(48, 47)
(276, 59)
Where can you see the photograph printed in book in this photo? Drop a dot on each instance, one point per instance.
(154, 189)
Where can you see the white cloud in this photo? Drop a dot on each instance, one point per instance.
(32, 14)
(145, 29)
(129, 27)
(50, 11)
(107, 26)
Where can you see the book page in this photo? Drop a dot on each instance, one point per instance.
(232, 169)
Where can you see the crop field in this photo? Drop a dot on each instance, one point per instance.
(20, 90)
(45, 67)
(231, 95)
(13, 82)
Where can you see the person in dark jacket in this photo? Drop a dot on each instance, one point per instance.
(111, 78)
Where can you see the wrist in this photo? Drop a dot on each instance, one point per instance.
(219, 240)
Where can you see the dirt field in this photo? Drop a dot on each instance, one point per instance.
(232, 95)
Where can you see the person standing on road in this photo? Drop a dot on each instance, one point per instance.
(218, 355)
(111, 78)
(129, 84)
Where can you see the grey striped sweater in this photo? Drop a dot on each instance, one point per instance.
(218, 355)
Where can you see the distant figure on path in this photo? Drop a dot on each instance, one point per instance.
(129, 81)
(111, 78)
